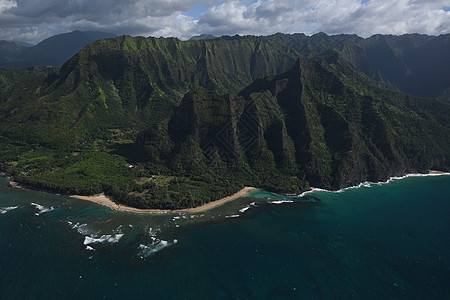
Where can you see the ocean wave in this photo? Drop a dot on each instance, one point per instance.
(281, 201)
(312, 190)
(153, 232)
(83, 229)
(106, 238)
(41, 209)
(92, 236)
(244, 209)
(4, 210)
(232, 216)
(368, 184)
(155, 246)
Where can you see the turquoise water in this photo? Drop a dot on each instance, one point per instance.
(382, 241)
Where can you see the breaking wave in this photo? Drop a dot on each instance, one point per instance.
(41, 209)
(155, 246)
(232, 216)
(94, 237)
(281, 201)
(4, 210)
(368, 184)
(109, 238)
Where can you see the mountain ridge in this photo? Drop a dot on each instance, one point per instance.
(162, 123)
(311, 127)
(53, 51)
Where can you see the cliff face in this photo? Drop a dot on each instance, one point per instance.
(322, 123)
(319, 122)
(127, 82)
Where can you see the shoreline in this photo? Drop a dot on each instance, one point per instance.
(104, 200)
(366, 183)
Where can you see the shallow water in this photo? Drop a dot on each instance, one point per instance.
(389, 240)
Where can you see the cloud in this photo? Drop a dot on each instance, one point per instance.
(31, 20)
(134, 17)
(330, 16)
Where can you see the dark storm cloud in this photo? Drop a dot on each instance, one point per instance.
(32, 20)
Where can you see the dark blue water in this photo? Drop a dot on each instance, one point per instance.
(382, 241)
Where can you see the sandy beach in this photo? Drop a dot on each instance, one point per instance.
(437, 172)
(102, 199)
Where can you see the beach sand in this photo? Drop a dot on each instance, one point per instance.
(437, 172)
(102, 199)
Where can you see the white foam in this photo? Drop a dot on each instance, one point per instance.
(82, 229)
(93, 237)
(154, 232)
(4, 210)
(89, 248)
(312, 190)
(42, 209)
(370, 184)
(110, 238)
(232, 216)
(362, 184)
(155, 246)
(38, 206)
(280, 201)
(244, 209)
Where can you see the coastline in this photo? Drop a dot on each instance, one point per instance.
(104, 200)
(368, 183)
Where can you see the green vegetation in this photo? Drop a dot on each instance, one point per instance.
(161, 123)
(310, 126)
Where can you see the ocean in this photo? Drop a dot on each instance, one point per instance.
(375, 241)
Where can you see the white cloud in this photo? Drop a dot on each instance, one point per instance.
(330, 16)
(6, 4)
(32, 20)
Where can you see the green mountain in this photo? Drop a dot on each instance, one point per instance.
(168, 124)
(53, 51)
(129, 82)
(414, 64)
(322, 123)
(10, 76)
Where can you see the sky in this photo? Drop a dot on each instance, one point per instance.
(34, 20)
